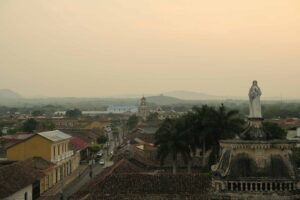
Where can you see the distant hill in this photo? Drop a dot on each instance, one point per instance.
(179, 94)
(164, 100)
(188, 95)
(9, 94)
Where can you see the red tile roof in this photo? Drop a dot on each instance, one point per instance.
(18, 175)
(78, 144)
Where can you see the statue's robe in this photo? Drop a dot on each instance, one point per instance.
(255, 105)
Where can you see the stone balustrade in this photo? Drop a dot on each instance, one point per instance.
(260, 186)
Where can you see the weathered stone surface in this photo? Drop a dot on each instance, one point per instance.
(255, 168)
(254, 103)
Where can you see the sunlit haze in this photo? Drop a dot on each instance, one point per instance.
(113, 47)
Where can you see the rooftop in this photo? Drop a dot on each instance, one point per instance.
(77, 143)
(18, 136)
(126, 179)
(18, 175)
(54, 135)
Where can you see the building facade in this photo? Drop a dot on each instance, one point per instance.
(25, 193)
(24, 179)
(52, 146)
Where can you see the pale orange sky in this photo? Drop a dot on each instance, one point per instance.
(109, 47)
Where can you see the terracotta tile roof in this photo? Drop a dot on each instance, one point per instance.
(136, 156)
(148, 138)
(87, 135)
(135, 176)
(77, 143)
(121, 166)
(19, 175)
(140, 185)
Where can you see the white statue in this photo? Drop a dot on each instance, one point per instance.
(254, 96)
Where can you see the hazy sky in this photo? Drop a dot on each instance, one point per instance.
(108, 47)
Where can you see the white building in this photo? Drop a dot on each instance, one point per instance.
(122, 109)
(23, 194)
(110, 110)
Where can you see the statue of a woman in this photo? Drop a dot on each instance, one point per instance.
(254, 96)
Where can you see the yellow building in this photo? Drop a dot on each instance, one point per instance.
(52, 146)
(96, 125)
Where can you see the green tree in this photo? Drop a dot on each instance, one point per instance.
(36, 113)
(95, 148)
(102, 139)
(132, 122)
(30, 125)
(12, 131)
(152, 117)
(2, 142)
(13, 110)
(46, 126)
(1, 127)
(296, 156)
(73, 113)
(170, 141)
(226, 124)
(200, 128)
(206, 125)
(274, 131)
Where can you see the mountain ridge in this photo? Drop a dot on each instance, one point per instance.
(190, 95)
(9, 94)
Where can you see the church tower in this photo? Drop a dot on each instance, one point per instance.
(143, 109)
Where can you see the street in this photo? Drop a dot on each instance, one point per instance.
(81, 176)
(77, 182)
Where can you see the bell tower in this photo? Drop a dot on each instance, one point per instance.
(143, 109)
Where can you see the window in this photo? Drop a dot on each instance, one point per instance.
(58, 146)
(25, 196)
(56, 175)
(54, 147)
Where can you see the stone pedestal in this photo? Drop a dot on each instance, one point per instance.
(255, 167)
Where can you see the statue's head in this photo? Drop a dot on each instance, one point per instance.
(255, 83)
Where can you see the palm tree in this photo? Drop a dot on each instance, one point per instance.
(201, 128)
(209, 125)
(223, 124)
(171, 141)
(227, 123)
(198, 131)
